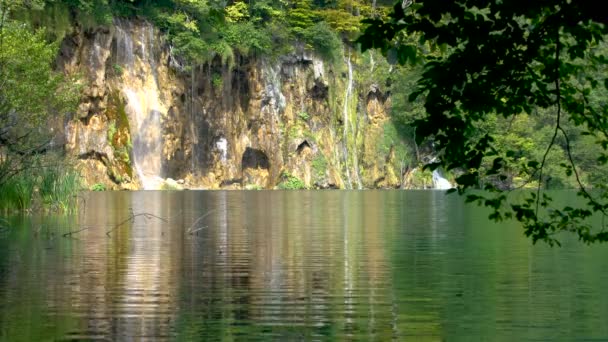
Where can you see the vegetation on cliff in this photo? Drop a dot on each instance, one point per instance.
(200, 30)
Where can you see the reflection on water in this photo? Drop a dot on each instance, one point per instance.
(374, 265)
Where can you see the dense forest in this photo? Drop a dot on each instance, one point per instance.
(198, 33)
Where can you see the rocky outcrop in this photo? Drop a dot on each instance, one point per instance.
(144, 117)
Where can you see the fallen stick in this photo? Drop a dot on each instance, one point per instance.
(189, 231)
(74, 232)
(132, 219)
(197, 229)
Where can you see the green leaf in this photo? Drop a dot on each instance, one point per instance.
(533, 164)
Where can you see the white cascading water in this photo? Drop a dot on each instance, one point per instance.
(143, 106)
(439, 182)
(273, 91)
(193, 125)
(222, 146)
(347, 99)
(274, 101)
(345, 122)
(318, 68)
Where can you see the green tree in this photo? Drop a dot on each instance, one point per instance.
(300, 16)
(30, 91)
(508, 58)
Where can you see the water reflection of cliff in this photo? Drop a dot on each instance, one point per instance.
(279, 265)
(270, 262)
(88, 285)
(292, 266)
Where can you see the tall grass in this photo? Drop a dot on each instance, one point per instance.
(16, 194)
(58, 189)
(45, 188)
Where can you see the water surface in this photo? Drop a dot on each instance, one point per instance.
(299, 265)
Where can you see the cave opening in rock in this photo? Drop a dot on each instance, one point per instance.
(302, 146)
(319, 91)
(254, 159)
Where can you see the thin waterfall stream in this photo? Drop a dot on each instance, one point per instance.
(440, 182)
(143, 106)
(345, 121)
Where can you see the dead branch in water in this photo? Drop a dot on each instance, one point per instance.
(82, 210)
(131, 219)
(192, 228)
(74, 232)
(197, 229)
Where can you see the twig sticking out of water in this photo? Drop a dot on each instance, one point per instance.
(197, 229)
(74, 232)
(131, 219)
(193, 229)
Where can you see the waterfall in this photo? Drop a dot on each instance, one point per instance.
(124, 44)
(143, 106)
(273, 95)
(439, 182)
(193, 124)
(273, 100)
(95, 59)
(349, 89)
(222, 146)
(317, 67)
(347, 100)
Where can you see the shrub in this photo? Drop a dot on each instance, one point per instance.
(324, 41)
(98, 187)
(218, 82)
(111, 131)
(290, 182)
(319, 166)
(246, 38)
(118, 70)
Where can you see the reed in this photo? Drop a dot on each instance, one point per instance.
(17, 193)
(47, 189)
(59, 189)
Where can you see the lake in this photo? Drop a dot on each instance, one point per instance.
(293, 265)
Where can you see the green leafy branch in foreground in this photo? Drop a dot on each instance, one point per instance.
(508, 58)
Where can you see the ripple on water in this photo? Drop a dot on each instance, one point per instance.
(295, 266)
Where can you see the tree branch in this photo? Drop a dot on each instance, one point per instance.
(557, 120)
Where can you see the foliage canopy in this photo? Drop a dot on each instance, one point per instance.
(201, 30)
(508, 59)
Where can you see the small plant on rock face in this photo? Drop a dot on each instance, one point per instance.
(218, 82)
(118, 69)
(98, 187)
(319, 166)
(290, 182)
(304, 116)
(111, 131)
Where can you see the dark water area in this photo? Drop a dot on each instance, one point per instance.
(293, 265)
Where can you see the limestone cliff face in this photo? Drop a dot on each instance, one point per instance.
(256, 123)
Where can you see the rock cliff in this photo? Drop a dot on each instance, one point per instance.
(254, 123)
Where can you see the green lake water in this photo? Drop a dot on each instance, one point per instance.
(293, 265)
